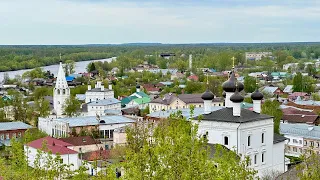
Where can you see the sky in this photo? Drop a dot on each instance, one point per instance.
(165, 21)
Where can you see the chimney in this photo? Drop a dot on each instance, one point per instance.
(207, 106)
(89, 87)
(98, 84)
(102, 87)
(228, 103)
(236, 110)
(110, 85)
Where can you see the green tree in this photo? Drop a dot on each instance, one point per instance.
(272, 108)
(42, 106)
(91, 67)
(71, 107)
(297, 83)
(172, 149)
(69, 67)
(249, 84)
(311, 70)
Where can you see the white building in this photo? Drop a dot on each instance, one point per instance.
(257, 55)
(62, 127)
(249, 133)
(98, 92)
(56, 146)
(99, 107)
(61, 92)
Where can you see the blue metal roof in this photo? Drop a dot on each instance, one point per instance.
(81, 97)
(302, 130)
(92, 120)
(104, 102)
(70, 78)
(5, 126)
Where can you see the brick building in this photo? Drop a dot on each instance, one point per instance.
(9, 130)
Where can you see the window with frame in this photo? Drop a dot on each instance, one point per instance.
(14, 135)
(294, 149)
(262, 138)
(295, 141)
(7, 136)
(226, 140)
(262, 157)
(255, 159)
(305, 143)
(311, 143)
(300, 141)
(249, 139)
(2, 136)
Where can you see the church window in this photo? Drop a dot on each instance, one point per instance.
(58, 91)
(63, 91)
(262, 138)
(255, 159)
(249, 139)
(262, 157)
(226, 140)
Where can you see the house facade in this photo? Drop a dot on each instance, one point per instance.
(9, 130)
(99, 107)
(98, 93)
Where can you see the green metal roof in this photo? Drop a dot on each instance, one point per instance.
(142, 94)
(126, 100)
(143, 100)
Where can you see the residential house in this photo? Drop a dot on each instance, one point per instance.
(302, 95)
(177, 75)
(193, 78)
(272, 90)
(137, 99)
(257, 55)
(302, 138)
(9, 130)
(172, 101)
(83, 144)
(294, 115)
(55, 146)
(288, 89)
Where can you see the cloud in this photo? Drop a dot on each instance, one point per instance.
(98, 21)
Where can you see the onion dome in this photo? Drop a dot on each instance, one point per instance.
(240, 86)
(230, 85)
(236, 97)
(137, 86)
(224, 94)
(257, 95)
(208, 95)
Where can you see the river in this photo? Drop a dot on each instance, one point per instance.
(79, 68)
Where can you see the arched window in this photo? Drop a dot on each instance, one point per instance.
(226, 141)
(63, 91)
(262, 138)
(58, 91)
(249, 138)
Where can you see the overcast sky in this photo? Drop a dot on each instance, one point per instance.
(165, 21)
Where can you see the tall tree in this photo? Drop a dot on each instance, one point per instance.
(71, 107)
(249, 84)
(172, 149)
(42, 106)
(272, 108)
(297, 83)
(69, 67)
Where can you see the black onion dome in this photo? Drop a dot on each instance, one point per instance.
(137, 86)
(208, 95)
(257, 95)
(230, 85)
(236, 97)
(224, 94)
(240, 86)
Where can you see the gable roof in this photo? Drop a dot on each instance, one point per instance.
(142, 94)
(54, 145)
(6, 126)
(298, 118)
(288, 89)
(167, 99)
(270, 89)
(226, 115)
(302, 130)
(80, 141)
(127, 99)
(96, 155)
(143, 100)
(195, 98)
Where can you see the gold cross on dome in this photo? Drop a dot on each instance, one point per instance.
(233, 59)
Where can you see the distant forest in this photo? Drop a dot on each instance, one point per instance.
(31, 56)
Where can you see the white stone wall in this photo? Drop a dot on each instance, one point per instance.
(93, 109)
(94, 96)
(31, 154)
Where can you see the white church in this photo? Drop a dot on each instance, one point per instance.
(249, 133)
(97, 99)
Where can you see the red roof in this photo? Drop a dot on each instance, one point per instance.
(53, 145)
(96, 155)
(80, 141)
(193, 77)
(300, 118)
(294, 111)
(296, 94)
(152, 89)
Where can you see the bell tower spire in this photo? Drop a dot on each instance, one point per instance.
(61, 91)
